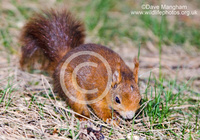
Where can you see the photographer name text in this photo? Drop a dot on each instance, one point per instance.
(164, 7)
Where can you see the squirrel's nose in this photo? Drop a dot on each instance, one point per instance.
(130, 114)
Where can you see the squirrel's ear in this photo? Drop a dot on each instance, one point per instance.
(117, 77)
(135, 70)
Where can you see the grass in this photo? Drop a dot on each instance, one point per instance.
(171, 105)
(161, 101)
(5, 94)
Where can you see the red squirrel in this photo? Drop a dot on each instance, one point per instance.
(54, 36)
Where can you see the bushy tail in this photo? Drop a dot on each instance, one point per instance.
(47, 37)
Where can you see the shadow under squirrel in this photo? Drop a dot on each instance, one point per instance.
(52, 37)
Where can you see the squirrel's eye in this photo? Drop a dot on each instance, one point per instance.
(132, 87)
(117, 100)
(115, 86)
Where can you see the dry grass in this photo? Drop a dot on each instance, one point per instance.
(30, 109)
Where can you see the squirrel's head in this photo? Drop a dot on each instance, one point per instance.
(125, 94)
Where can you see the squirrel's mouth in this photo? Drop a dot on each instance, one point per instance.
(128, 115)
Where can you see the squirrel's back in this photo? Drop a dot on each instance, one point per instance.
(50, 35)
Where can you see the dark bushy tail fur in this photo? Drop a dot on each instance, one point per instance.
(47, 37)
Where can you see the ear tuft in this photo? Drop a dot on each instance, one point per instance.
(117, 77)
(135, 70)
